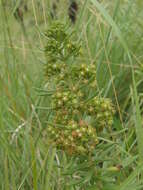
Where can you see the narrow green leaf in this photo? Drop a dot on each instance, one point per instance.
(130, 179)
(34, 167)
(50, 169)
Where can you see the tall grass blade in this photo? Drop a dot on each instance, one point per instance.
(50, 169)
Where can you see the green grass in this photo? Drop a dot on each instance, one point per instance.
(111, 35)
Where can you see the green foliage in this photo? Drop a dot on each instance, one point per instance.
(68, 137)
(71, 101)
(59, 46)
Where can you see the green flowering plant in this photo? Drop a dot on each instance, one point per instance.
(59, 46)
(74, 96)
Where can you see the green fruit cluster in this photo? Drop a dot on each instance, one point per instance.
(70, 100)
(74, 138)
(59, 46)
(103, 111)
(54, 69)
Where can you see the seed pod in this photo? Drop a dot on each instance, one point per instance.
(74, 134)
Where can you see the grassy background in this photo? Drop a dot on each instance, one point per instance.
(112, 36)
